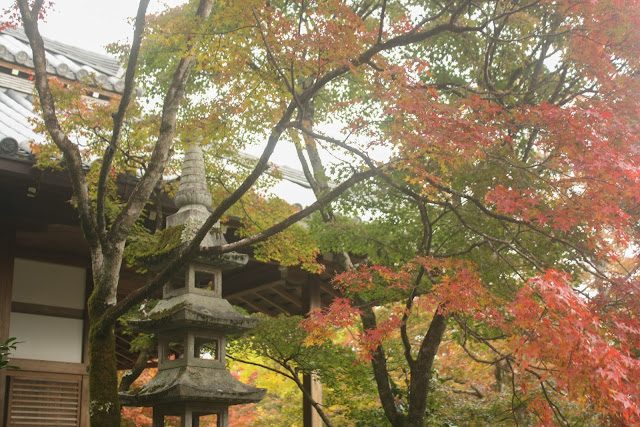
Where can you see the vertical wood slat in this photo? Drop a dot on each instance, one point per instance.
(44, 402)
(7, 250)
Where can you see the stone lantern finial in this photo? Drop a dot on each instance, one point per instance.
(194, 199)
(193, 183)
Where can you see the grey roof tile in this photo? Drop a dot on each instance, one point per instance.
(102, 63)
(16, 83)
(64, 60)
(22, 99)
(14, 121)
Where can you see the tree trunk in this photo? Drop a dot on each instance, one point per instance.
(104, 406)
(131, 376)
(421, 371)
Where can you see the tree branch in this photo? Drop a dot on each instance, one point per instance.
(192, 249)
(37, 6)
(69, 150)
(260, 365)
(306, 170)
(419, 385)
(118, 117)
(317, 205)
(129, 215)
(293, 377)
(422, 249)
(381, 25)
(380, 371)
(273, 60)
(130, 376)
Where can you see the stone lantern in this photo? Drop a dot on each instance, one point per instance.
(191, 323)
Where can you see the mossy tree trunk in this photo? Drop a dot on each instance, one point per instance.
(104, 406)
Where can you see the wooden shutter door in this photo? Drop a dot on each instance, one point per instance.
(37, 401)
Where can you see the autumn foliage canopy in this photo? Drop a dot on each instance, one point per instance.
(491, 148)
(527, 191)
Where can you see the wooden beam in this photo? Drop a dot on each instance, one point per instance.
(282, 291)
(252, 291)
(275, 304)
(312, 384)
(295, 275)
(252, 305)
(330, 290)
(311, 294)
(60, 257)
(48, 367)
(84, 390)
(249, 278)
(118, 337)
(47, 310)
(84, 402)
(7, 245)
(123, 356)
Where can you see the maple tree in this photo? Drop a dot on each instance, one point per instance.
(508, 190)
(515, 186)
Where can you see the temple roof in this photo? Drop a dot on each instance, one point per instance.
(16, 131)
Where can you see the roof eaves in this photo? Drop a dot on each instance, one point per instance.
(64, 61)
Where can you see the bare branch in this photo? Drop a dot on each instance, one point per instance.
(381, 25)
(317, 205)
(403, 326)
(260, 365)
(305, 169)
(274, 61)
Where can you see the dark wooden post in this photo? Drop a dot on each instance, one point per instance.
(311, 298)
(7, 246)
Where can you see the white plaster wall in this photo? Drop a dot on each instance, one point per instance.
(47, 338)
(44, 283)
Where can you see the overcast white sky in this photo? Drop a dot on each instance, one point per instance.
(92, 24)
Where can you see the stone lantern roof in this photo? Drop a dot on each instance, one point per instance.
(190, 384)
(191, 310)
